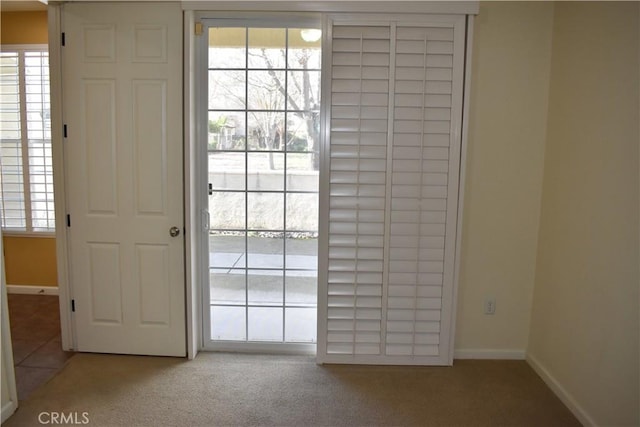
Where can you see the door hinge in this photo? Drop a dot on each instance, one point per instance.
(68, 220)
(198, 29)
(210, 189)
(73, 305)
(64, 129)
(62, 39)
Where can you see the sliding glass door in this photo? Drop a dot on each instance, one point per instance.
(263, 160)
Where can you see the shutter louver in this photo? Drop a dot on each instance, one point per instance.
(422, 123)
(360, 97)
(394, 150)
(12, 203)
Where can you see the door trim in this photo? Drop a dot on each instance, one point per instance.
(8, 370)
(464, 136)
(194, 226)
(59, 175)
(409, 7)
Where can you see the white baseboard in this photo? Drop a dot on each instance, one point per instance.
(8, 409)
(32, 290)
(560, 391)
(468, 353)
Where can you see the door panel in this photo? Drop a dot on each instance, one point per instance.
(262, 107)
(392, 207)
(149, 104)
(100, 139)
(122, 97)
(104, 282)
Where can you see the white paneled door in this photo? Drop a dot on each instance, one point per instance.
(122, 107)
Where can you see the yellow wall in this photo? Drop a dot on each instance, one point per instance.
(585, 325)
(28, 260)
(509, 94)
(24, 28)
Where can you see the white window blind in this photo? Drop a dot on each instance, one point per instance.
(26, 174)
(394, 150)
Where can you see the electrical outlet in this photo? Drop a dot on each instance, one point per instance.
(490, 305)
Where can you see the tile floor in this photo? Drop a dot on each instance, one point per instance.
(35, 336)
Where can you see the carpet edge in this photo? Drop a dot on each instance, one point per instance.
(576, 409)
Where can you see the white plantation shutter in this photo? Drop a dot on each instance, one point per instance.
(39, 140)
(423, 193)
(394, 151)
(359, 133)
(12, 203)
(26, 172)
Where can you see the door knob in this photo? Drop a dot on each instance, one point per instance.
(174, 231)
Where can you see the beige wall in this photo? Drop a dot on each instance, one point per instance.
(509, 88)
(584, 328)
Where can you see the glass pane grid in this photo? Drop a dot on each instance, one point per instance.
(272, 278)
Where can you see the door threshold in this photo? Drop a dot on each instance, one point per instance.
(261, 347)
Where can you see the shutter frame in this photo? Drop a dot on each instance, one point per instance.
(413, 329)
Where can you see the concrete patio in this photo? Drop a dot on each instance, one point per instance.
(263, 287)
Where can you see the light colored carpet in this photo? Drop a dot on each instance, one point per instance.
(223, 389)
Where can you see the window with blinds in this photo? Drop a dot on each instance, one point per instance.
(394, 152)
(26, 173)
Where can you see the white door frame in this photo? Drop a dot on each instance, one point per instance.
(200, 79)
(7, 368)
(195, 192)
(59, 176)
